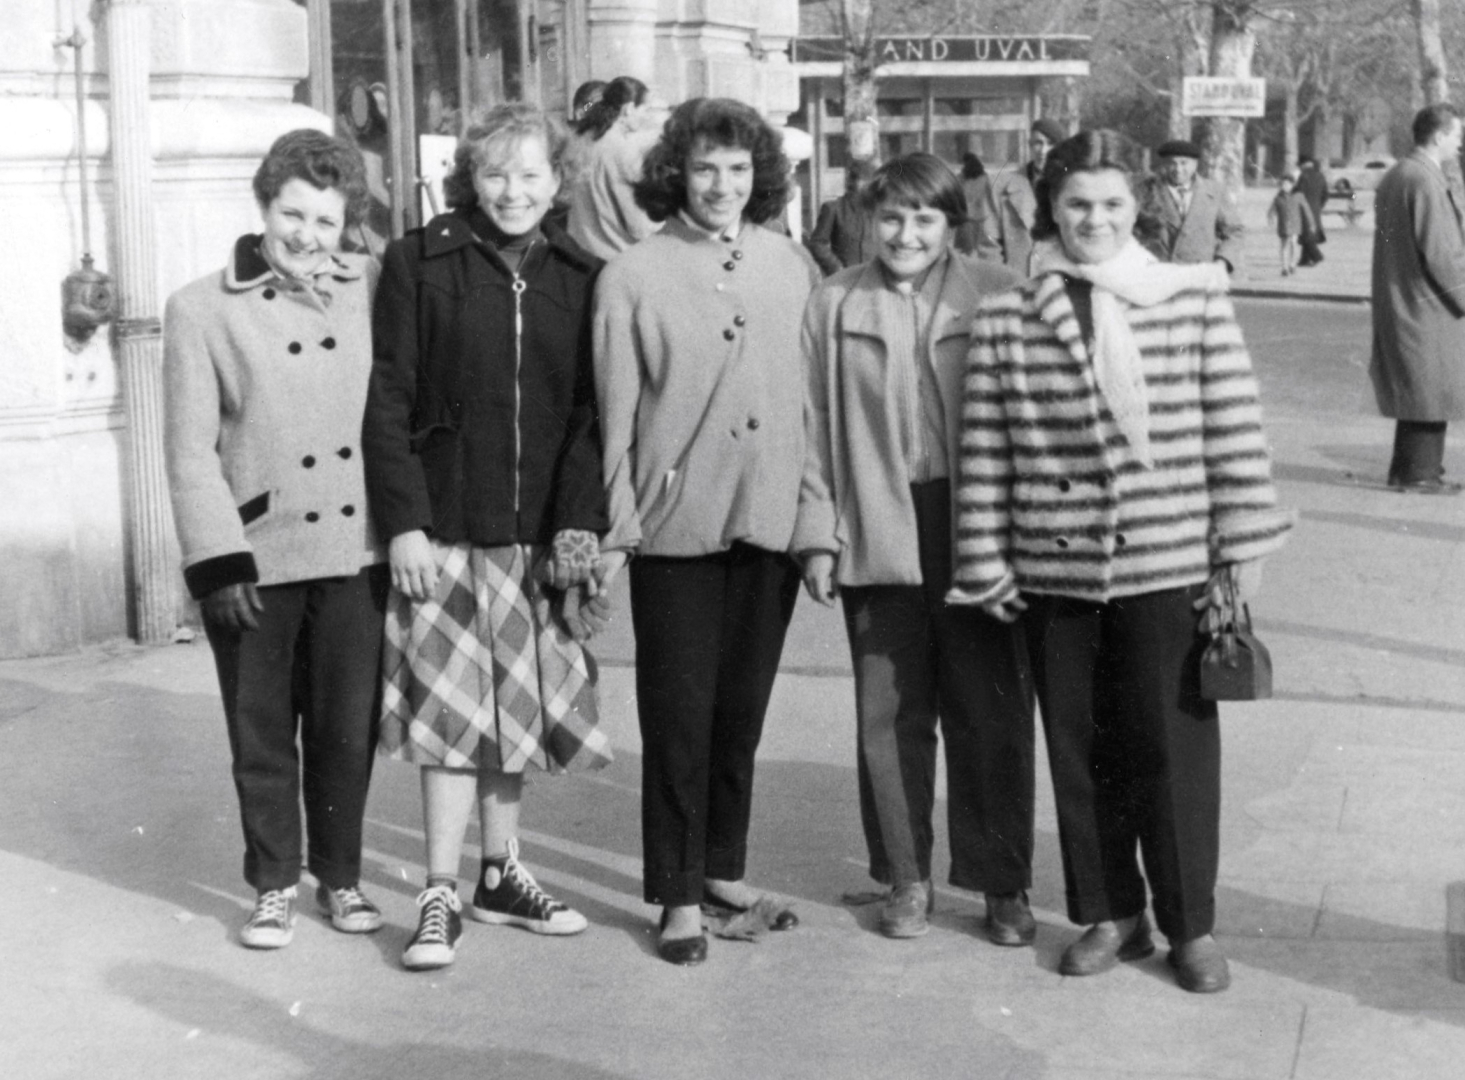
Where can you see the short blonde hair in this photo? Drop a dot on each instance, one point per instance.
(500, 130)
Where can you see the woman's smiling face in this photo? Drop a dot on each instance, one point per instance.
(302, 226)
(516, 184)
(911, 238)
(1095, 212)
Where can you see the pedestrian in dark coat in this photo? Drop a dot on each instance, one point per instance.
(265, 370)
(1418, 364)
(1312, 185)
(844, 234)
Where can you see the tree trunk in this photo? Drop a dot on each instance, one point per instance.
(1232, 45)
(1432, 69)
(1194, 46)
(861, 126)
(1289, 128)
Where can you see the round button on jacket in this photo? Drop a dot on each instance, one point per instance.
(294, 348)
(328, 343)
(728, 334)
(737, 254)
(268, 294)
(348, 510)
(1064, 485)
(752, 423)
(729, 265)
(740, 320)
(308, 461)
(1062, 541)
(344, 453)
(312, 516)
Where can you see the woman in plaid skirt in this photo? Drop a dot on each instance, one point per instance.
(483, 461)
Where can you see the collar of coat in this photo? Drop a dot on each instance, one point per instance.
(453, 231)
(951, 317)
(249, 269)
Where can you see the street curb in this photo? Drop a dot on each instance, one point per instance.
(1263, 293)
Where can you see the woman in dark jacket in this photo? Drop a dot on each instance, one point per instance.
(481, 444)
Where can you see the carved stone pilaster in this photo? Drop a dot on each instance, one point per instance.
(138, 333)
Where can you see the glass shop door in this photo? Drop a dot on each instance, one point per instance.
(402, 78)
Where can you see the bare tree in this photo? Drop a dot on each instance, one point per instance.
(1433, 76)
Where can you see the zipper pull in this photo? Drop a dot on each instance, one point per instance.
(519, 286)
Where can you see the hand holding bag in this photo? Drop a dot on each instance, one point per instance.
(1235, 666)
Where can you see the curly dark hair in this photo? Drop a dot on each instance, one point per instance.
(1098, 150)
(917, 180)
(502, 125)
(319, 159)
(662, 189)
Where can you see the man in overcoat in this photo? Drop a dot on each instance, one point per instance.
(844, 234)
(1199, 222)
(1418, 364)
(1312, 185)
(1006, 229)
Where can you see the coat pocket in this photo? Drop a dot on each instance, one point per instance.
(254, 509)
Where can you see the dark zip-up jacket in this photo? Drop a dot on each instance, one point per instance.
(481, 422)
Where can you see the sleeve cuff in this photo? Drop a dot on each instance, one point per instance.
(211, 575)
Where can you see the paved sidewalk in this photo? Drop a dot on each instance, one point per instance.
(1343, 275)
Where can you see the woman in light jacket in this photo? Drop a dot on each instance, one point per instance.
(265, 368)
(884, 352)
(1112, 473)
(613, 138)
(697, 373)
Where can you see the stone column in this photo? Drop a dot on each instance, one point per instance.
(139, 333)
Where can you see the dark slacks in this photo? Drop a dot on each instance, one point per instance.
(1135, 754)
(709, 633)
(916, 659)
(1419, 451)
(310, 672)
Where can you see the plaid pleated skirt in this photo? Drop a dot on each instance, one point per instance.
(474, 679)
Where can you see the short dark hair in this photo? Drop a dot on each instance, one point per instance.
(319, 159)
(1431, 120)
(1099, 150)
(972, 167)
(510, 123)
(918, 180)
(621, 91)
(662, 189)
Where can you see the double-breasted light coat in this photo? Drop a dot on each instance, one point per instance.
(1418, 363)
(855, 500)
(1209, 228)
(265, 385)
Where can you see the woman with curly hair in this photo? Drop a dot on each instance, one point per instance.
(266, 365)
(483, 462)
(698, 373)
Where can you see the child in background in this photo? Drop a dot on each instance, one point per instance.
(1294, 219)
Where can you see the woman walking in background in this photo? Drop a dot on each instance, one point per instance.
(697, 369)
(266, 365)
(614, 135)
(1113, 472)
(483, 461)
(884, 353)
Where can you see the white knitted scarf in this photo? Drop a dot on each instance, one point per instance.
(1138, 278)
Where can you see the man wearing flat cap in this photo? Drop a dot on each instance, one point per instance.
(1006, 234)
(1199, 222)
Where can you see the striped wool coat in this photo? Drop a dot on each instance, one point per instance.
(1050, 499)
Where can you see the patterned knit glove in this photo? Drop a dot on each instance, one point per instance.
(571, 559)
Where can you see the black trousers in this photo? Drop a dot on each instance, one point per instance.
(1135, 754)
(1419, 451)
(310, 672)
(709, 634)
(917, 659)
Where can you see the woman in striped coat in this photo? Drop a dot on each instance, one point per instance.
(1112, 471)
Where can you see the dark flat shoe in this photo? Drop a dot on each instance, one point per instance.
(1425, 487)
(1102, 948)
(1010, 920)
(684, 951)
(786, 919)
(1199, 966)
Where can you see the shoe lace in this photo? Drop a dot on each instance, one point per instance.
(351, 898)
(523, 881)
(435, 903)
(272, 906)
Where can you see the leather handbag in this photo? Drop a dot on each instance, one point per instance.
(1235, 666)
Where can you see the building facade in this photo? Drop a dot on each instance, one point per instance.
(179, 100)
